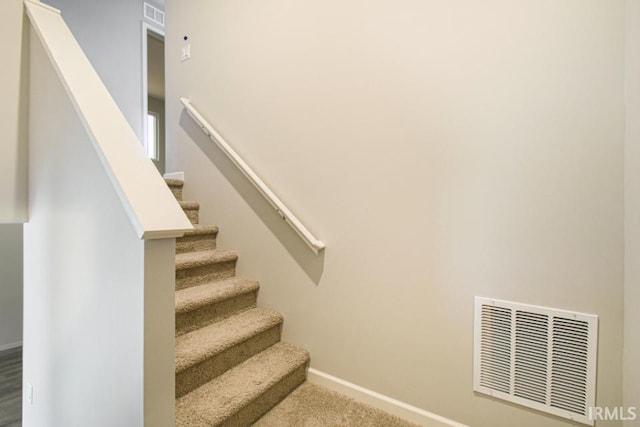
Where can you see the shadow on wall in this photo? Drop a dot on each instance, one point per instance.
(312, 264)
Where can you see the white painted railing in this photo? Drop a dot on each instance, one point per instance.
(313, 243)
(152, 209)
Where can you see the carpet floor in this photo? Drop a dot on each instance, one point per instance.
(313, 406)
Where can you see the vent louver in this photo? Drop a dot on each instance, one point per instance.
(154, 14)
(495, 358)
(536, 357)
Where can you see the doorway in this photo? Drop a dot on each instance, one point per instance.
(153, 95)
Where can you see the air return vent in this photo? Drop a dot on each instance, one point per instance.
(154, 14)
(536, 357)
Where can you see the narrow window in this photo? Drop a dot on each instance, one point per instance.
(152, 136)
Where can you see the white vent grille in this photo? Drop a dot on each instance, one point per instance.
(154, 14)
(537, 357)
(495, 372)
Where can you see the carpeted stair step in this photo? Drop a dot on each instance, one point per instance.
(206, 353)
(175, 185)
(203, 305)
(242, 395)
(201, 238)
(197, 268)
(192, 210)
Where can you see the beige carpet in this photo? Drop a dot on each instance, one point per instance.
(313, 406)
(231, 367)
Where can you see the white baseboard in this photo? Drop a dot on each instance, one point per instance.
(380, 401)
(174, 175)
(4, 347)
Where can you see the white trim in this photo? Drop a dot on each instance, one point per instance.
(174, 175)
(4, 347)
(380, 401)
(146, 28)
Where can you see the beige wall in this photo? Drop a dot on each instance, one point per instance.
(155, 67)
(632, 212)
(10, 285)
(13, 111)
(13, 167)
(441, 150)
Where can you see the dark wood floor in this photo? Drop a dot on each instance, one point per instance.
(11, 388)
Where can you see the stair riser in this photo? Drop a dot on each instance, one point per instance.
(196, 319)
(265, 402)
(193, 215)
(177, 192)
(203, 242)
(200, 374)
(207, 273)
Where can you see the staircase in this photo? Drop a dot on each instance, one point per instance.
(231, 367)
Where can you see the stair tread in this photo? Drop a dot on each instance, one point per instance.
(199, 229)
(193, 298)
(173, 182)
(189, 205)
(224, 396)
(201, 344)
(202, 258)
